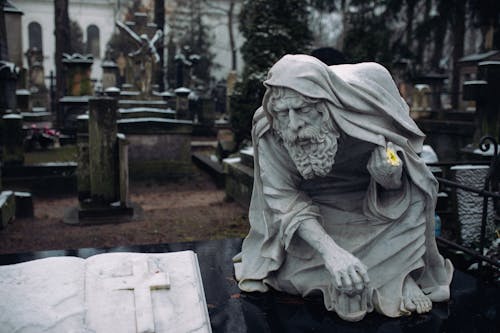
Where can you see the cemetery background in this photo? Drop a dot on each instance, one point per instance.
(425, 55)
(424, 44)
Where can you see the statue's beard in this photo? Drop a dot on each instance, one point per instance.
(312, 149)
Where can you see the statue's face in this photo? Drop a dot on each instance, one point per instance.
(306, 130)
(296, 118)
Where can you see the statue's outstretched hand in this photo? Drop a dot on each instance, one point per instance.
(348, 272)
(386, 167)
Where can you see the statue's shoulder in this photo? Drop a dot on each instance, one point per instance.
(260, 123)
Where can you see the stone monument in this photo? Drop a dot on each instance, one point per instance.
(36, 78)
(111, 292)
(146, 55)
(102, 172)
(342, 205)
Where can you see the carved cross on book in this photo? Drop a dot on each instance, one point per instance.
(142, 282)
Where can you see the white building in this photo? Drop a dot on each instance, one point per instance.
(96, 19)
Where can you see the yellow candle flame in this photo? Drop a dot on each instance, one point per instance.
(392, 157)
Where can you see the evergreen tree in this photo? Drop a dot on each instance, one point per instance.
(191, 35)
(76, 38)
(271, 29)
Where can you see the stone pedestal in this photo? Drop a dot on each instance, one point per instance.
(109, 74)
(78, 74)
(182, 103)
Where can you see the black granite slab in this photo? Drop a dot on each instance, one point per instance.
(473, 307)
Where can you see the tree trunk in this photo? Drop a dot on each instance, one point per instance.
(458, 49)
(160, 23)
(62, 35)
(410, 15)
(422, 38)
(230, 17)
(4, 54)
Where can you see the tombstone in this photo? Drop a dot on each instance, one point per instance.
(8, 79)
(102, 150)
(435, 83)
(78, 69)
(485, 94)
(470, 205)
(232, 78)
(159, 149)
(13, 139)
(239, 175)
(420, 101)
(468, 68)
(23, 99)
(36, 78)
(102, 167)
(182, 103)
(109, 74)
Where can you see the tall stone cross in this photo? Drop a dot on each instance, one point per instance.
(142, 282)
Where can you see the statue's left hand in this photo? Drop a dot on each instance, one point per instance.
(386, 167)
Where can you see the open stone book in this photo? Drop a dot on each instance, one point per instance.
(112, 292)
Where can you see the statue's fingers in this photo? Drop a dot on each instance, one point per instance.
(356, 279)
(337, 281)
(346, 281)
(363, 273)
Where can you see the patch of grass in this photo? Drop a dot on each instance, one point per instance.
(62, 154)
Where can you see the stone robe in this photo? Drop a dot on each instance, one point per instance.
(390, 231)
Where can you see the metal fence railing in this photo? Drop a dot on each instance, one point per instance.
(489, 191)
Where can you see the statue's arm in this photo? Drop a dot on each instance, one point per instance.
(348, 272)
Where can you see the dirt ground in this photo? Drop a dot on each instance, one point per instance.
(186, 210)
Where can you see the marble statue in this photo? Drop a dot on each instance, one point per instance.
(342, 204)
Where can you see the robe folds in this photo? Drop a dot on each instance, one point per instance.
(390, 231)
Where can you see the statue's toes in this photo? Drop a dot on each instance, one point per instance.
(423, 304)
(409, 305)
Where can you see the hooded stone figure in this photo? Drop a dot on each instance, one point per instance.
(342, 205)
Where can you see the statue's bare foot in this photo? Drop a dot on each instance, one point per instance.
(439, 294)
(413, 297)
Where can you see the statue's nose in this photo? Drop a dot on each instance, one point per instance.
(296, 122)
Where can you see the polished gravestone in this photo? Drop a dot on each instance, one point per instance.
(473, 306)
